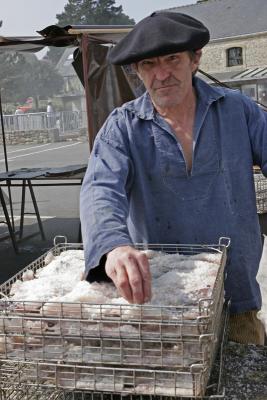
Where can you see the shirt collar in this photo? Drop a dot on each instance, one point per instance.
(206, 92)
(144, 109)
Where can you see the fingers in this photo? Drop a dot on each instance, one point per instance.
(123, 285)
(146, 276)
(135, 279)
(129, 270)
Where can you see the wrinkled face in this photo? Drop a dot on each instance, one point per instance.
(168, 79)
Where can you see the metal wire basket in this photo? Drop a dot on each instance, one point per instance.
(191, 383)
(153, 336)
(260, 182)
(55, 381)
(136, 350)
(46, 394)
(25, 381)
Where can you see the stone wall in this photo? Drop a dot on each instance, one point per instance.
(214, 58)
(37, 137)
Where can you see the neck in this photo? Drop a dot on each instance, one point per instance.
(181, 111)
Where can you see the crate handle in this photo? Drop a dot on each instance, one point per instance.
(224, 241)
(197, 368)
(58, 239)
(207, 337)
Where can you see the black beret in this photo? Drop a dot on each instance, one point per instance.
(159, 34)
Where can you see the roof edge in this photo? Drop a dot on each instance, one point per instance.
(247, 35)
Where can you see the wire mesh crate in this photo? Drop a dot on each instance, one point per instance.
(37, 343)
(169, 348)
(40, 394)
(260, 182)
(78, 395)
(153, 336)
(190, 383)
(56, 381)
(79, 349)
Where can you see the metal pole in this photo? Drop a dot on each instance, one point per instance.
(6, 162)
(89, 108)
(3, 133)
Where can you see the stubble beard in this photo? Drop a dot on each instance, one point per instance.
(166, 101)
(170, 97)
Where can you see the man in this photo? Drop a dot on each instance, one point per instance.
(50, 114)
(175, 166)
(49, 108)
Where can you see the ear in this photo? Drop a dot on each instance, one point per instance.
(196, 60)
(198, 54)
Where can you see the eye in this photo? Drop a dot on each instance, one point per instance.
(146, 62)
(173, 57)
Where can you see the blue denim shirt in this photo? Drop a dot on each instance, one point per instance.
(137, 187)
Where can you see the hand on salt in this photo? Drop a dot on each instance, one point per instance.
(129, 270)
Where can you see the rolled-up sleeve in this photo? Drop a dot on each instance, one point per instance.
(104, 201)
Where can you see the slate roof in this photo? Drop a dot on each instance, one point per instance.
(229, 18)
(247, 75)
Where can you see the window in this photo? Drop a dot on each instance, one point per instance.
(234, 56)
(250, 91)
(262, 93)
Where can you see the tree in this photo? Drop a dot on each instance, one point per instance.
(25, 76)
(93, 12)
(89, 12)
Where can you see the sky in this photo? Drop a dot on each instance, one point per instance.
(25, 17)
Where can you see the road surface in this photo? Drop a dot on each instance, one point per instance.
(62, 202)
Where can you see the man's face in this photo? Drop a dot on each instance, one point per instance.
(168, 79)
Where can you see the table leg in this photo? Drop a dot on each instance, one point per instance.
(22, 210)
(10, 229)
(36, 209)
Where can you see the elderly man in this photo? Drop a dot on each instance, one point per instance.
(175, 166)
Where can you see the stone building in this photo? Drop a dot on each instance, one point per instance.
(237, 52)
(73, 97)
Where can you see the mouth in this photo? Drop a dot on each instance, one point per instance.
(165, 87)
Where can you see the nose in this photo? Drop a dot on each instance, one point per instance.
(161, 72)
